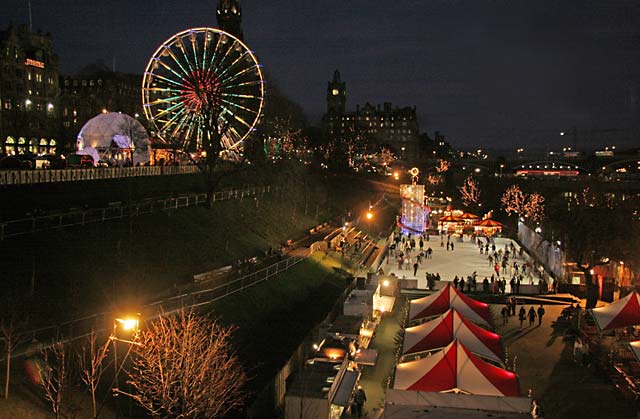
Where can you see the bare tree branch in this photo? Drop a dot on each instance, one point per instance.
(185, 367)
(55, 374)
(91, 362)
(10, 327)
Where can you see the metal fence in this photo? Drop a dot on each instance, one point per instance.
(210, 295)
(30, 177)
(36, 224)
(103, 322)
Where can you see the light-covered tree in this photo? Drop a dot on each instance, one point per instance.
(386, 156)
(470, 192)
(443, 166)
(534, 207)
(434, 179)
(530, 206)
(184, 367)
(513, 200)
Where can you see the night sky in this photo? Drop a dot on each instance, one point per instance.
(495, 73)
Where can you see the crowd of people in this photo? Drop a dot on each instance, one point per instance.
(511, 265)
(509, 310)
(403, 247)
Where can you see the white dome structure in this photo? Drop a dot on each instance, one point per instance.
(116, 136)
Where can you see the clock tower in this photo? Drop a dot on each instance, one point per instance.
(336, 95)
(229, 16)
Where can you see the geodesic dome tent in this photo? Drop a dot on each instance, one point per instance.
(116, 136)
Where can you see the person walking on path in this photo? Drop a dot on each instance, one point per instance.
(536, 412)
(532, 316)
(505, 314)
(540, 314)
(431, 281)
(429, 252)
(415, 268)
(452, 246)
(359, 398)
(522, 315)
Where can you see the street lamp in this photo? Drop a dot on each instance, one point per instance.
(130, 326)
(369, 213)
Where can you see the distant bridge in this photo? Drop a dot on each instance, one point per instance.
(550, 167)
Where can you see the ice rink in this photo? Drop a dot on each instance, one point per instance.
(462, 261)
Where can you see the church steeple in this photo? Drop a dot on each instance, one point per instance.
(229, 16)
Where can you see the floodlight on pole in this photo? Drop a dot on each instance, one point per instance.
(128, 323)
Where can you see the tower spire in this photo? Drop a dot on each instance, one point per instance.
(229, 17)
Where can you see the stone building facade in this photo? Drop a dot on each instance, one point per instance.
(29, 92)
(94, 90)
(375, 126)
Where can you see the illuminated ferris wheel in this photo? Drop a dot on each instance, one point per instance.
(199, 69)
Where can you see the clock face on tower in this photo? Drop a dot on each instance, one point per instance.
(335, 92)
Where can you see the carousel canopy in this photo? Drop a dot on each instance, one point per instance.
(449, 219)
(456, 368)
(440, 332)
(443, 300)
(489, 223)
(469, 216)
(622, 313)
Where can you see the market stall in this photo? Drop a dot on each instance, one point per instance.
(448, 297)
(456, 369)
(441, 331)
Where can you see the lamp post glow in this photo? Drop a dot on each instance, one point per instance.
(129, 325)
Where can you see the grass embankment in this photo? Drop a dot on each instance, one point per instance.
(100, 267)
(93, 268)
(273, 318)
(105, 266)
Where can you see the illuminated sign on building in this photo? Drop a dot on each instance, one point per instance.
(34, 63)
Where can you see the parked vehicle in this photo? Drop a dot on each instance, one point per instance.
(55, 161)
(12, 162)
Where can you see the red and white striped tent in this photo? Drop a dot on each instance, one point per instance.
(622, 313)
(455, 368)
(441, 331)
(443, 300)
